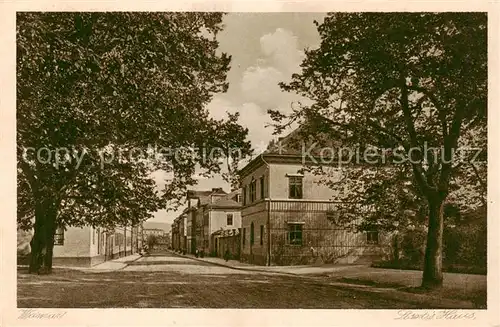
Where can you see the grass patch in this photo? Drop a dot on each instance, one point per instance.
(406, 265)
(369, 283)
(477, 298)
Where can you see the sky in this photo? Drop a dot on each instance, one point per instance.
(266, 48)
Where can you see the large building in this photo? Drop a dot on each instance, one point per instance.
(288, 218)
(86, 246)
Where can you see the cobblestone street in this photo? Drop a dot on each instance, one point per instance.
(169, 281)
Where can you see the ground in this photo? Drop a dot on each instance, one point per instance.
(170, 281)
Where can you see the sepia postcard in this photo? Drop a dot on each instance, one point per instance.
(254, 163)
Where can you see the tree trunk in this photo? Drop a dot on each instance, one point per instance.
(42, 243)
(433, 261)
(395, 247)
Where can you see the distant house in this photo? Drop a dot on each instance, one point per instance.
(222, 219)
(207, 212)
(175, 235)
(153, 231)
(181, 223)
(86, 246)
(194, 220)
(288, 218)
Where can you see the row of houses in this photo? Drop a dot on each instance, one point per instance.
(86, 246)
(279, 216)
(207, 214)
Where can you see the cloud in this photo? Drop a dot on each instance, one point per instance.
(260, 85)
(281, 58)
(219, 107)
(252, 116)
(282, 49)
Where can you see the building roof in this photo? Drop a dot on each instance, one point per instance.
(193, 194)
(225, 203)
(233, 194)
(156, 225)
(290, 149)
(204, 196)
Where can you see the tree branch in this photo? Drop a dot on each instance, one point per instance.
(435, 101)
(417, 168)
(450, 143)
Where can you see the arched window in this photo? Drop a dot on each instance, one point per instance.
(251, 234)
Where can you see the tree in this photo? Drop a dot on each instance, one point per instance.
(152, 241)
(411, 86)
(103, 101)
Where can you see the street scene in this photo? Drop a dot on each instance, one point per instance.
(252, 160)
(168, 280)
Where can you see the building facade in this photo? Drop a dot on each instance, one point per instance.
(227, 242)
(222, 217)
(153, 231)
(288, 218)
(207, 212)
(175, 235)
(86, 246)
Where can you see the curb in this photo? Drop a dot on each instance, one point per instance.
(390, 292)
(236, 268)
(124, 264)
(127, 263)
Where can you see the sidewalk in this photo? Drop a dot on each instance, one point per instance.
(467, 289)
(287, 270)
(116, 264)
(111, 265)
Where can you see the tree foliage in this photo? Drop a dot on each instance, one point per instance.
(398, 84)
(111, 98)
(152, 241)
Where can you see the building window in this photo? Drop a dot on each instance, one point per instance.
(372, 237)
(295, 234)
(243, 236)
(253, 191)
(261, 234)
(262, 193)
(229, 219)
(295, 187)
(251, 234)
(238, 198)
(93, 235)
(59, 236)
(244, 193)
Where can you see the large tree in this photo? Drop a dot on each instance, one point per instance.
(405, 82)
(103, 101)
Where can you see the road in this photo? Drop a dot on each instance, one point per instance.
(170, 281)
